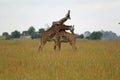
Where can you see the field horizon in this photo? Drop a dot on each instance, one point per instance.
(93, 60)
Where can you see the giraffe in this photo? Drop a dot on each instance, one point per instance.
(51, 32)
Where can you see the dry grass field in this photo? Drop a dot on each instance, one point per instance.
(93, 60)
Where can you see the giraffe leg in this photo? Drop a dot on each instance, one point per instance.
(55, 45)
(59, 46)
(41, 45)
(72, 43)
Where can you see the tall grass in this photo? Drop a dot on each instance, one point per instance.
(93, 60)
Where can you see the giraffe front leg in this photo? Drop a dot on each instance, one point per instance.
(40, 48)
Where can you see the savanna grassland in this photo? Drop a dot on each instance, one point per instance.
(93, 60)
